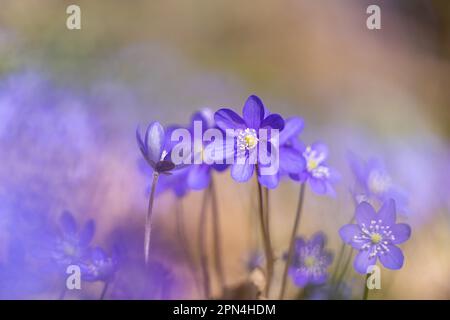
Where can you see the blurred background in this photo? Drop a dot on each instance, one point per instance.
(70, 101)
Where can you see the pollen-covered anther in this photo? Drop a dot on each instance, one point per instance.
(247, 139)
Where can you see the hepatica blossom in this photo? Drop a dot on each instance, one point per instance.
(375, 236)
(291, 159)
(317, 173)
(155, 149)
(247, 139)
(311, 261)
(73, 244)
(374, 184)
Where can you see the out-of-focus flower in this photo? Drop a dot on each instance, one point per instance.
(99, 266)
(375, 235)
(247, 128)
(291, 159)
(374, 184)
(317, 173)
(311, 261)
(72, 246)
(199, 175)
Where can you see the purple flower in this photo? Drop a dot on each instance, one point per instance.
(72, 245)
(375, 236)
(310, 261)
(374, 184)
(291, 159)
(199, 175)
(99, 266)
(247, 131)
(319, 175)
(155, 148)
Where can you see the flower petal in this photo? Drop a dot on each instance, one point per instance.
(318, 186)
(274, 121)
(320, 148)
(228, 119)
(199, 177)
(348, 232)
(242, 172)
(292, 128)
(319, 239)
(364, 261)
(87, 233)
(299, 278)
(387, 212)
(155, 141)
(392, 259)
(291, 160)
(401, 232)
(365, 213)
(269, 181)
(68, 223)
(253, 112)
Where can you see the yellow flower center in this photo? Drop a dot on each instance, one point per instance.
(310, 261)
(375, 238)
(250, 141)
(312, 164)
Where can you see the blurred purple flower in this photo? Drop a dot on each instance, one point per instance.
(199, 175)
(310, 261)
(319, 175)
(99, 266)
(72, 245)
(291, 159)
(255, 117)
(374, 184)
(375, 236)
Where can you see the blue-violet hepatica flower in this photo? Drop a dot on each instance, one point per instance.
(247, 139)
(317, 173)
(375, 236)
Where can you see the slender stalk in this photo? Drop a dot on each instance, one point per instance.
(266, 211)
(266, 241)
(104, 290)
(202, 245)
(292, 241)
(148, 222)
(217, 236)
(366, 288)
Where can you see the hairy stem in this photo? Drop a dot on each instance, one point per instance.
(291, 249)
(148, 222)
(217, 236)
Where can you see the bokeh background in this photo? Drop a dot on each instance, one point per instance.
(70, 102)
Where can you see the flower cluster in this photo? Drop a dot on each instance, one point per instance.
(259, 140)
